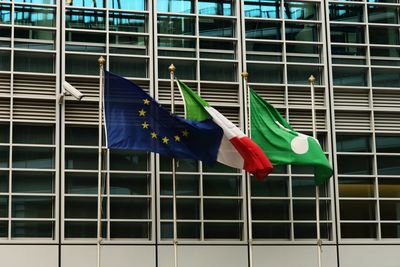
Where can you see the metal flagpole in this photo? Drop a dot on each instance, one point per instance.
(99, 183)
(247, 113)
(311, 80)
(172, 69)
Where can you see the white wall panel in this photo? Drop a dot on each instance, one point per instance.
(28, 255)
(369, 256)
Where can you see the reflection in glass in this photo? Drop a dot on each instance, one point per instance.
(127, 22)
(347, 34)
(32, 207)
(217, 49)
(388, 165)
(127, 5)
(187, 69)
(34, 62)
(90, 3)
(389, 188)
(85, 19)
(263, 30)
(384, 35)
(262, 9)
(216, 27)
(218, 71)
(5, 14)
(176, 25)
(81, 64)
(350, 76)
(34, 16)
(297, 74)
(382, 14)
(271, 187)
(300, 10)
(33, 134)
(356, 187)
(261, 73)
(5, 60)
(346, 12)
(33, 157)
(129, 67)
(34, 39)
(386, 77)
(46, 2)
(390, 210)
(302, 32)
(215, 7)
(175, 6)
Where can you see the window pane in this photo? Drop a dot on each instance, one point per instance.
(185, 165)
(302, 32)
(217, 49)
(270, 209)
(358, 230)
(218, 71)
(81, 229)
(3, 206)
(187, 185)
(78, 158)
(309, 230)
(382, 14)
(300, 10)
(305, 210)
(81, 183)
(347, 34)
(85, 19)
(187, 69)
(219, 209)
(33, 134)
(77, 135)
(263, 30)
(32, 207)
(215, 7)
(33, 182)
(5, 60)
(3, 182)
(32, 229)
(187, 209)
(34, 16)
(271, 230)
(83, 3)
(348, 164)
(216, 185)
(127, 22)
(216, 27)
(5, 14)
(34, 62)
(3, 228)
(346, 12)
(386, 77)
(353, 143)
(380, 35)
(46, 2)
(128, 160)
(305, 187)
(261, 73)
(127, 5)
(175, 6)
(129, 184)
(299, 74)
(390, 230)
(389, 188)
(390, 210)
(271, 187)
(223, 230)
(262, 9)
(4, 133)
(33, 157)
(4, 156)
(81, 207)
(176, 25)
(129, 208)
(388, 165)
(357, 210)
(130, 230)
(350, 76)
(81, 64)
(354, 187)
(85, 42)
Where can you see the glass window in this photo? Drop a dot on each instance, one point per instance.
(127, 22)
(347, 34)
(302, 32)
(130, 230)
(34, 39)
(223, 230)
(265, 209)
(222, 209)
(271, 187)
(350, 76)
(33, 157)
(348, 51)
(187, 209)
(3, 206)
(32, 229)
(46, 2)
(217, 49)
(262, 9)
(387, 143)
(357, 210)
(127, 5)
(78, 135)
(92, 3)
(128, 160)
(215, 7)
(3, 182)
(383, 35)
(175, 6)
(129, 208)
(216, 27)
(263, 51)
(186, 185)
(354, 164)
(187, 69)
(85, 19)
(386, 77)
(81, 229)
(389, 210)
(32, 207)
(262, 73)
(353, 143)
(300, 10)
(358, 230)
(382, 14)
(185, 165)
(218, 71)
(389, 188)
(34, 16)
(217, 185)
(300, 74)
(78, 158)
(309, 230)
(388, 165)
(176, 25)
(81, 183)
(129, 67)
(356, 187)
(33, 182)
(81, 64)
(4, 133)
(5, 60)
(305, 187)
(5, 14)
(4, 155)
(129, 184)
(33, 134)
(34, 62)
(271, 230)
(346, 12)
(390, 230)
(82, 207)
(384, 52)
(263, 30)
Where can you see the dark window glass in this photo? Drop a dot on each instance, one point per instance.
(262, 9)
(34, 16)
(299, 74)
(33, 182)
(300, 10)
(186, 185)
(357, 210)
(358, 230)
(76, 135)
(78, 41)
(3, 206)
(187, 69)
(32, 229)
(218, 71)
(83, 207)
(305, 210)
(85, 19)
(271, 187)
(216, 185)
(33, 134)
(350, 76)
(3, 228)
(353, 143)
(380, 35)
(386, 77)
(388, 165)
(223, 230)
(81, 229)
(305, 187)
(5, 60)
(356, 187)
(263, 30)
(261, 73)
(46, 2)
(352, 164)
(270, 209)
(186, 209)
(217, 49)
(4, 181)
(81, 183)
(129, 208)
(81, 64)
(382, 14)
(389, 188)
(34, 62)
(346, 12)
(222, 209)
(4, 133)
(78, 158)
(309, 230)
(384, 52)
(5, 14)
(4, 156)
(127, 5)
(271, 230)
(390, 230)
(216, 27)
(347, 34)
(176, 25)
(129, 67)
(130, 230)
(219, 168)
(129, 184)
(348, 51)
(127, 22)
(185, 165)
(128, 160)
(389, 210)
(302, 32)
(215, 7)
(32, 207)
(263, 51)
(33, 157)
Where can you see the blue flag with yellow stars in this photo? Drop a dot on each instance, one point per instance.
(135, 121)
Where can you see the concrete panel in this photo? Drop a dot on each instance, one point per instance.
(28, 255)
(203, 256)
(111, 256)
(293, 256)
(369, 256)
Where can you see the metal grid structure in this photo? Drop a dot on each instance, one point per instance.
(280, 43)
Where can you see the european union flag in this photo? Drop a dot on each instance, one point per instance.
(134, 120)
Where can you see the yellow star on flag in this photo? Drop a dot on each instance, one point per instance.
(177, 138)
(145, 125)
(142, 113)
(165, 140)
(153, 135)
(185, 133)
(146, 102)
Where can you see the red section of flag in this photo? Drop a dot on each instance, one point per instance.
(255, 161)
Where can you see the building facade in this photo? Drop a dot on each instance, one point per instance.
(49, 147)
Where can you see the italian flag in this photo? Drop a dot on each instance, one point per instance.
(236, 150)
(281, 143)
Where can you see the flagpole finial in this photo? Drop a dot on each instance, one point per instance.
(101, 61)
(245, 75)
(171, 68)
(312, 79)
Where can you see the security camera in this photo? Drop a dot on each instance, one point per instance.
(72, 90)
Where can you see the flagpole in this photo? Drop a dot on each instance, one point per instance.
(312, 80)
(247, 113)
(101, 61)
(172, 69)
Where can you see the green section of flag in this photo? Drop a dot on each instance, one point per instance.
(194, 104)
(281, 143)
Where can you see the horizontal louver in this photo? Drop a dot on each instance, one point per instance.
(231, 114)
(89, 87)
(34, 110)
(352, 120)
(275, 96)
(81, 112)
(351, 98)
(385, 121)
(5, 84)
(386, 99)
(34, 85)
(302, 119)
(4, 109)
(164, 92)
(220, 93)
(302, 97)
